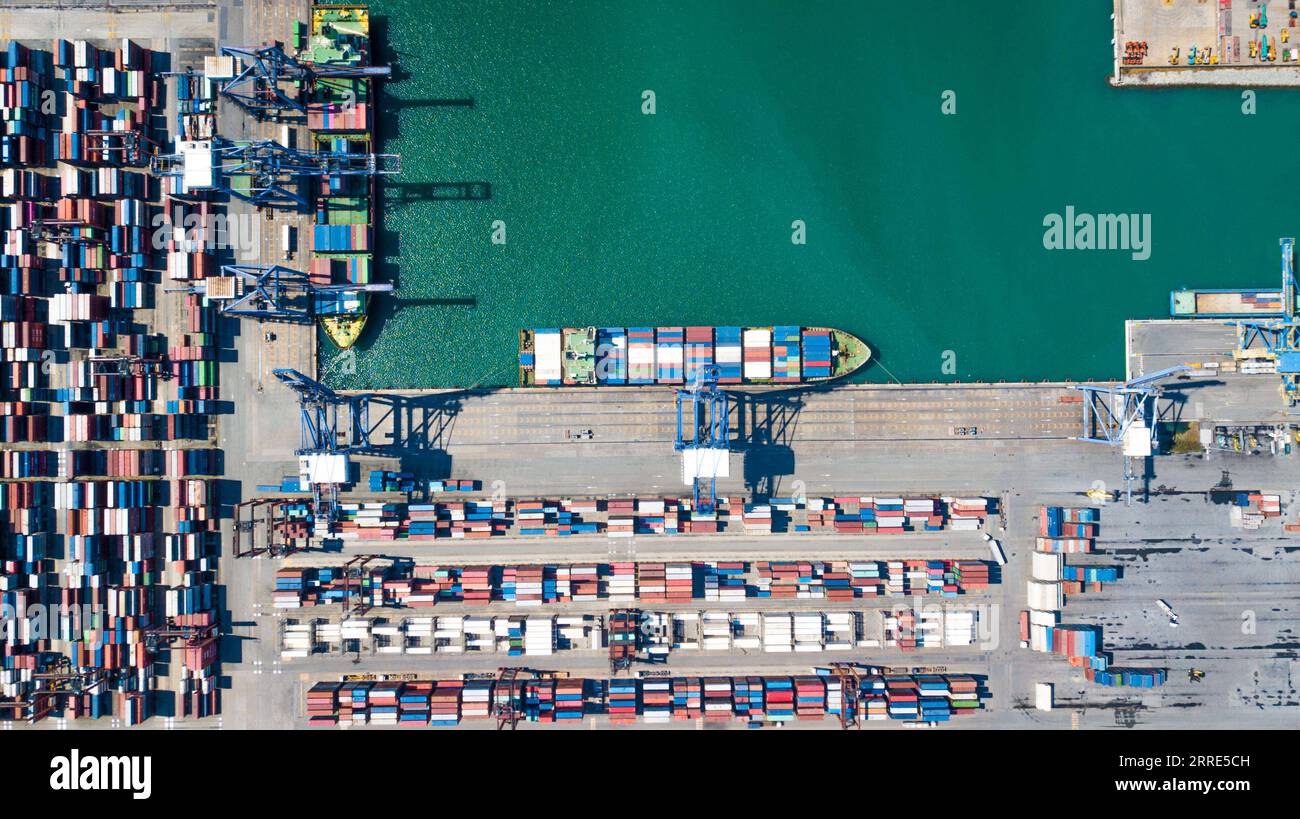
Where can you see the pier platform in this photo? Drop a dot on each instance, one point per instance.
(1166, 25)
(1215, 392)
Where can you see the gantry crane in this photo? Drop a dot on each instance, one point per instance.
(623, 629)
(1123, 415)
(703, 437)
(1277, 339)
(256, 88)
(263, 172)
(166, 635)
(354, 570)
(64, 232)
(125, 147)
(322, 432)
(512, 710)
(327, 438)
(850, 686)
(58, 679)
(271, 292)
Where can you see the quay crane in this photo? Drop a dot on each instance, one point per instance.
(256, 88)
(706, 452)
(1277, 340)
(333, 426)
(263, 172)
(271, 292)
(1123, 415)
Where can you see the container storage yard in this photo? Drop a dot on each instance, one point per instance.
(110, 508)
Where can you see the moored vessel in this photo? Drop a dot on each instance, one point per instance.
(340, 116)
(622, 356)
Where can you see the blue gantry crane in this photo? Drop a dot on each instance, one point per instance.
(333, 426)
(256, 87)
(703, 437)
(1123, 415)
(263, 172)
(1277, 340)
(272, 292)
(321, 407)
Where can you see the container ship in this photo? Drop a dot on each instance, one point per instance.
(1226, 303)
(616, 356)
(340, 117)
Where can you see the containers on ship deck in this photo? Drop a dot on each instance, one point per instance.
(669, 355)
(699, 350)
(727, 354)
(816, 353)
(547, 357)
(786, 355)
(640, 355)
(340, 238)
(611, 355)
(758, 354)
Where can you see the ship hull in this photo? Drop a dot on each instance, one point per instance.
(343, 331)
(340, 118)
(774, 356)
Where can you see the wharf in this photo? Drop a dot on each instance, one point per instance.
(1215, 393)
(1185, 24)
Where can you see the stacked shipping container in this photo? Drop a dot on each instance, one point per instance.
(812, 698)
(78, 253)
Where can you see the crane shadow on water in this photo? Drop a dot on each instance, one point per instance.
(403, 193)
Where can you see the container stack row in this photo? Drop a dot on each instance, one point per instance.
(768, 699)
(626, 517)
(1067, 530)
(1249, 510)
(403, 584)
(381, 480)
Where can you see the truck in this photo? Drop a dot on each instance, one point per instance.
(1168, 612)
(995, 547)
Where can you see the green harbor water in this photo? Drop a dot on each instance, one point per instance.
(924, 231)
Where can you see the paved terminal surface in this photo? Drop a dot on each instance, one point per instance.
(1202, 24)
(1214, 391)
(1176, 546)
